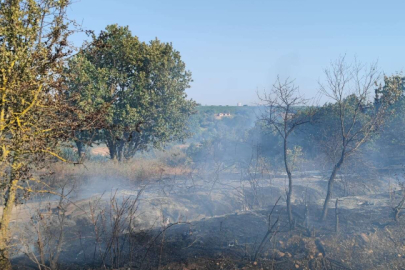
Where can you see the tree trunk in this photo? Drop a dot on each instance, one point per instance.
(120, 150)
(330, 186)
(4, 257)
(80, 148)
(5, 263)
(290, 187)
(112, 149)
(398, 208)
(336, 216)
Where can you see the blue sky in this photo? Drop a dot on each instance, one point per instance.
(234, 47)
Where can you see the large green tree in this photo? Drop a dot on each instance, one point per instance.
(145, 84)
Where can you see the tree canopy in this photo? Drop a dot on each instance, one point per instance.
(145, 84)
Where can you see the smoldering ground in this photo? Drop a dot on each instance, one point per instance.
(209, 220)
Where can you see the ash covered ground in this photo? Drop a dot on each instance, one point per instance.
(217, 221)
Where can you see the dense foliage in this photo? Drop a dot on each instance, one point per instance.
(142, 83)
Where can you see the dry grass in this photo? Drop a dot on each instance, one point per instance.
(133, 171)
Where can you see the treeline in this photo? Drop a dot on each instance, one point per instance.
(385, 148)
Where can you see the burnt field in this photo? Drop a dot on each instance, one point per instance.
(192, 220)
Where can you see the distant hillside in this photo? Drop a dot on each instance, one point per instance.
(227, 109)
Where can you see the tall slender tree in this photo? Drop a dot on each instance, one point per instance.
(282, 113)
(354, 117)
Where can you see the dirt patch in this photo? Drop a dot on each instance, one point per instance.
(100, 151)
